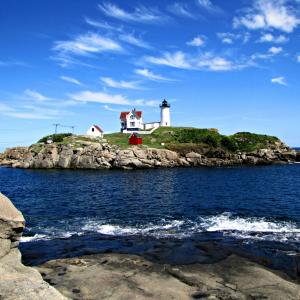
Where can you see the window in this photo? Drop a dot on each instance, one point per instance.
(132, 117)
(93, 129)
(132, 124)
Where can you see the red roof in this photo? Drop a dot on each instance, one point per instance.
(124, 114)
(98, 128)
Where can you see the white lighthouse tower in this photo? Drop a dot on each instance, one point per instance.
(165, 119)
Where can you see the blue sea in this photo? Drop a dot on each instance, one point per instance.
(177, 216)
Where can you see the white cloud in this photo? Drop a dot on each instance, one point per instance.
(120, 84)
(270, 38)
(131, 39)
(279, 80)
(180, 9)
(175, 60)
(140, 14)
(104, 98)
(229, 38)
(30, 112)
(207, 61)
(275, 50)
(197, 41)
(209, 6)
(35, 95)
(70, 80)
(102, 25)
(87, 44)
(99, 97)
(298, 58)
(150, 75)
(215, 63)
(107, 107)
(267, 14)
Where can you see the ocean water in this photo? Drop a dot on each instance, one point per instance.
(168, 215)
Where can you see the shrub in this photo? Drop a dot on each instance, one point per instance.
(57, 138)
(229, 143)
(247, 141)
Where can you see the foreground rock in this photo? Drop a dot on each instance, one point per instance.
(16, 280)
(95, 155)
(121, 276)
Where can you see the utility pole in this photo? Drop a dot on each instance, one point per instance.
(56, 125)
(73, 127)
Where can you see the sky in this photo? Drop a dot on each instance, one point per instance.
(232, 65)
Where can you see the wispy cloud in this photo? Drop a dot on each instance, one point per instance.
(298, 58)
(102, 25)
(150, 75)
(13, 63)
(140, 14)
(88, 44)
(268, 14)
(216, 63)
(28, 111)
(105, 98)
(197, 41)
(180, 9)
(70, 80)
(279, 80)
(209, 6)
(135, 41)
(99, 97)
(175, 60)
(230, 38)
(35, 95)
(272, 52)
(85, 44)
(107, 107)
(133, 85)
(270, 38)
(207, 61)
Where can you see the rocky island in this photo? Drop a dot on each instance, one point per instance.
(165, 147)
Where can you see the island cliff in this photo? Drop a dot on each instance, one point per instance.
(171, 147)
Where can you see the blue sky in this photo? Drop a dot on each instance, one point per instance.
(232, 65)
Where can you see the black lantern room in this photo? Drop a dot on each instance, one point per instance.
(165, 103)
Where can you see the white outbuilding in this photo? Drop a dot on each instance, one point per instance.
(95, 131)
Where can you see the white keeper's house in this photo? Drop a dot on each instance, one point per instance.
(132, 121)
(95, 131)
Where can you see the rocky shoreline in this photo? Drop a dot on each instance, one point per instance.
(126, 276)
(97, 155)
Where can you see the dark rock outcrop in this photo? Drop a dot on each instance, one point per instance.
(94, 155)
(16, 280)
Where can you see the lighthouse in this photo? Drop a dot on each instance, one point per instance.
(165, 114)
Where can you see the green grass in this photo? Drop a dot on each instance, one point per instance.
(182, 139)
(247, 141)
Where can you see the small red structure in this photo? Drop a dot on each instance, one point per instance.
(135, 139)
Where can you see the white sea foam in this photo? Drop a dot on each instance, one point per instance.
(159, 230)
(36, 237)
(226, 223)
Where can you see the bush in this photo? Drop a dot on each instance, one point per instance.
(194, 135)
(247, 141)
(229, 143)
(57, 138)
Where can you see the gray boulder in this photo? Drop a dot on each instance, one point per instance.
(18, 282)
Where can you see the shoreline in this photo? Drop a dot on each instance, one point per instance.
(94, 155)
(119, 276)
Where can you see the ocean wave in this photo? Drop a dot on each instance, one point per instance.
(160, 230)
(230, 225)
